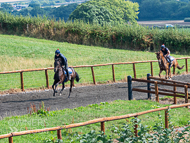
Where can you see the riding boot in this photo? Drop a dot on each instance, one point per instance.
(68, 75)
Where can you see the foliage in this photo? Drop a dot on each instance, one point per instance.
(42, 111)
(163, 9)
(115, 35)
(106, 11)
(126, 134)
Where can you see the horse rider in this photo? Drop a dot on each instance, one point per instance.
(166, 53)
(64, 61)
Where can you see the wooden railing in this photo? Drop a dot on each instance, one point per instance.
(92, 70)
(100, 120)
(157, 90)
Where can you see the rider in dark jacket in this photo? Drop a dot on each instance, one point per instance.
(166, 53)
(64, 61)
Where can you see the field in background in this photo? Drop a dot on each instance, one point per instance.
(163, 22)
(31, 53)
(178, 117)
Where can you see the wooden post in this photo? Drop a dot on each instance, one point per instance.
(156, 91)
(134, 70)
(186, 64)
(47, 80)
(166, 119)
(148, 86)
(103, 127)
(59, 134)
(186, 94)
(173, 70)
(175, 99)
(135, 128)
(94, 81)
(151, 68)
(113, 73)
(22, 81)
(130, 93)
(10, 139)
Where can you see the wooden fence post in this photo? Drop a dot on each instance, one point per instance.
(10, 139)
(103, 127)
(130, 94)
(93, 76)
(22, 81)
(186, 64)
(113, 72)
(186, 94)
(156, 91)
(151, 68)
(47, 80)
(135, 127)
(166, 119)
(59, 134)
(134, 70)
(175, 99)
(148, 86)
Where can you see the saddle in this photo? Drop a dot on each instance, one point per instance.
(70, 72)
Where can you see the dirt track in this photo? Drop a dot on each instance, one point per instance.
(16, 104)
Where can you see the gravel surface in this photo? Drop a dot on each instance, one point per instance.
(17, 104)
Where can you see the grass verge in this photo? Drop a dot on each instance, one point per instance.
(179, 117)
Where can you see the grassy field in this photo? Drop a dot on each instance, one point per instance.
(29, 53)
(179, 117)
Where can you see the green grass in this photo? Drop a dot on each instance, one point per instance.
(179, 117)
(30, 53)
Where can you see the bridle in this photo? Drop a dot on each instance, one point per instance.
(57, 65)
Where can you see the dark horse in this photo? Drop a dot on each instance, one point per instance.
(60, 76)
(164, 65)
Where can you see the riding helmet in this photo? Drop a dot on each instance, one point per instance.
(163, 46)
(57, 51)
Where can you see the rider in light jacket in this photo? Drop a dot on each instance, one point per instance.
(166, 53)
(64, 61)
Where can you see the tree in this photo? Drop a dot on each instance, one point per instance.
(7, 7)
(106, 11)
(63, 12)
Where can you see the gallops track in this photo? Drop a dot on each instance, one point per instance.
(17, 104)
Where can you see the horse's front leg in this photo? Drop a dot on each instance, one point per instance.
(63, 86)
(71, 84)
(166, 74)
(160, 73)
(53, 88)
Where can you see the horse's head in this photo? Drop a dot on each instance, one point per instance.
(57, 64)
(158, 56)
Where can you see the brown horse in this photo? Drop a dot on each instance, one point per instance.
(60, 76)
(164, 65)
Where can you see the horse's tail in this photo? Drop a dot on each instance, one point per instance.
(77, 77)
(180, 67)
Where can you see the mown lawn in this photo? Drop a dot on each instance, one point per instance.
(29, 53)
(179, 117)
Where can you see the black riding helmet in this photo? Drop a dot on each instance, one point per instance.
(163, 46)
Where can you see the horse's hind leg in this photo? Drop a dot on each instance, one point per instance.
(71, 84)
(63, 86)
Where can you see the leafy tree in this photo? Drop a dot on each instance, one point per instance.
(7, 7)
(106, 11)
(63, 12)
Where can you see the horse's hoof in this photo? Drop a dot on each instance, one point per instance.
(60, 94)
(53, 94)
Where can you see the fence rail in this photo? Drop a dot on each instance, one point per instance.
(157, 90)
(100, 120)
(92, 70)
